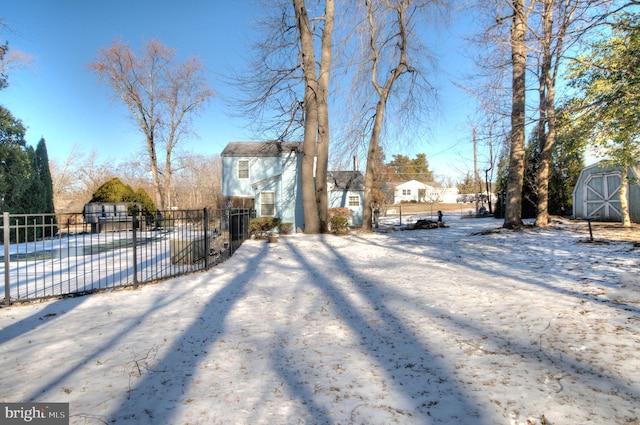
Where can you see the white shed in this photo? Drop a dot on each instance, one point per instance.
(597, 193)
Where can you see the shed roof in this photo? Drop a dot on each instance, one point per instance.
(272, 148)
(346, 180)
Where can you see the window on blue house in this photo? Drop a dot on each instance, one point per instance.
(267, 204)
(243, 169)
(354, 201)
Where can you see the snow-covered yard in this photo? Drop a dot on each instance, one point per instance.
(435, 326)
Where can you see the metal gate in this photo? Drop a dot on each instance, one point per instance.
(239, 219)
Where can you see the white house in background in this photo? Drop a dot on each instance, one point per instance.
(415, 191)
(449, 195)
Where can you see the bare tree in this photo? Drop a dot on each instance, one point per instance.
(310, 102)
(160, 94)
(562, 23)
(186, 92)
(197, 183)
(77, 178)
(513, 201)
(287, 87)
(323, 113)
(10, 59)
(316, 77)
(63, 174)
(388, 29)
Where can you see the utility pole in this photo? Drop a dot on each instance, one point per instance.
(486, 173)
(476, 179)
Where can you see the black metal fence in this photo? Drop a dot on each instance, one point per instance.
(48, 255)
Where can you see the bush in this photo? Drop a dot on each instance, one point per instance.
(339, 220)
(340, 211)
(285, 228)
(339, 224)
(259, 227)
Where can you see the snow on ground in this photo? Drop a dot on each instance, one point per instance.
(435, 326)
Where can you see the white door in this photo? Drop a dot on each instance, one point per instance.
(601, 197)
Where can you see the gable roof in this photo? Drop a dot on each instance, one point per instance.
(416, 183)
(271, 148)
(346, 180)
(605, 166)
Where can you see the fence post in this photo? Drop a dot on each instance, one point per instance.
(7, 255)
(135, 251)
(207, 247)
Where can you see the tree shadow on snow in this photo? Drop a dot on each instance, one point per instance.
(423, 379)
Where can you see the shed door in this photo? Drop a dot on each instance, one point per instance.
(601, 199)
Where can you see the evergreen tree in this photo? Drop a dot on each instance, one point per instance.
(567, 160)
(44, 174)
(406, 168)
(564, 169)
(608, 100)
(114, 191)
(15, 168)
(32, 199)
(470, 186)
(147, 203)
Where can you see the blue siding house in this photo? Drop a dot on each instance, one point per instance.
(346, 189)
(268, 173)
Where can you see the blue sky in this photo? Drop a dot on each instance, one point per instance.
(60, 99)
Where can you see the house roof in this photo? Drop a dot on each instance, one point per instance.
(346, 180)
(270, 148)
(414, 183)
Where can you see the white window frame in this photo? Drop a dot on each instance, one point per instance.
(354, 201)
(406, 192)
(243, 166)
(263, 195)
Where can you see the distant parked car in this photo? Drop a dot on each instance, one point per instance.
(465, 198)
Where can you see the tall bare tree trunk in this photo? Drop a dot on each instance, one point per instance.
(311, 218)
(155, 175)
(547, 113)
(624, 205)
(383, 88)
(513, 210)
(168, 172)
(553, 43)
(373, 152)
(323, 116)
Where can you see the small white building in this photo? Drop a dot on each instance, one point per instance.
(597, 193)
(415, 191)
